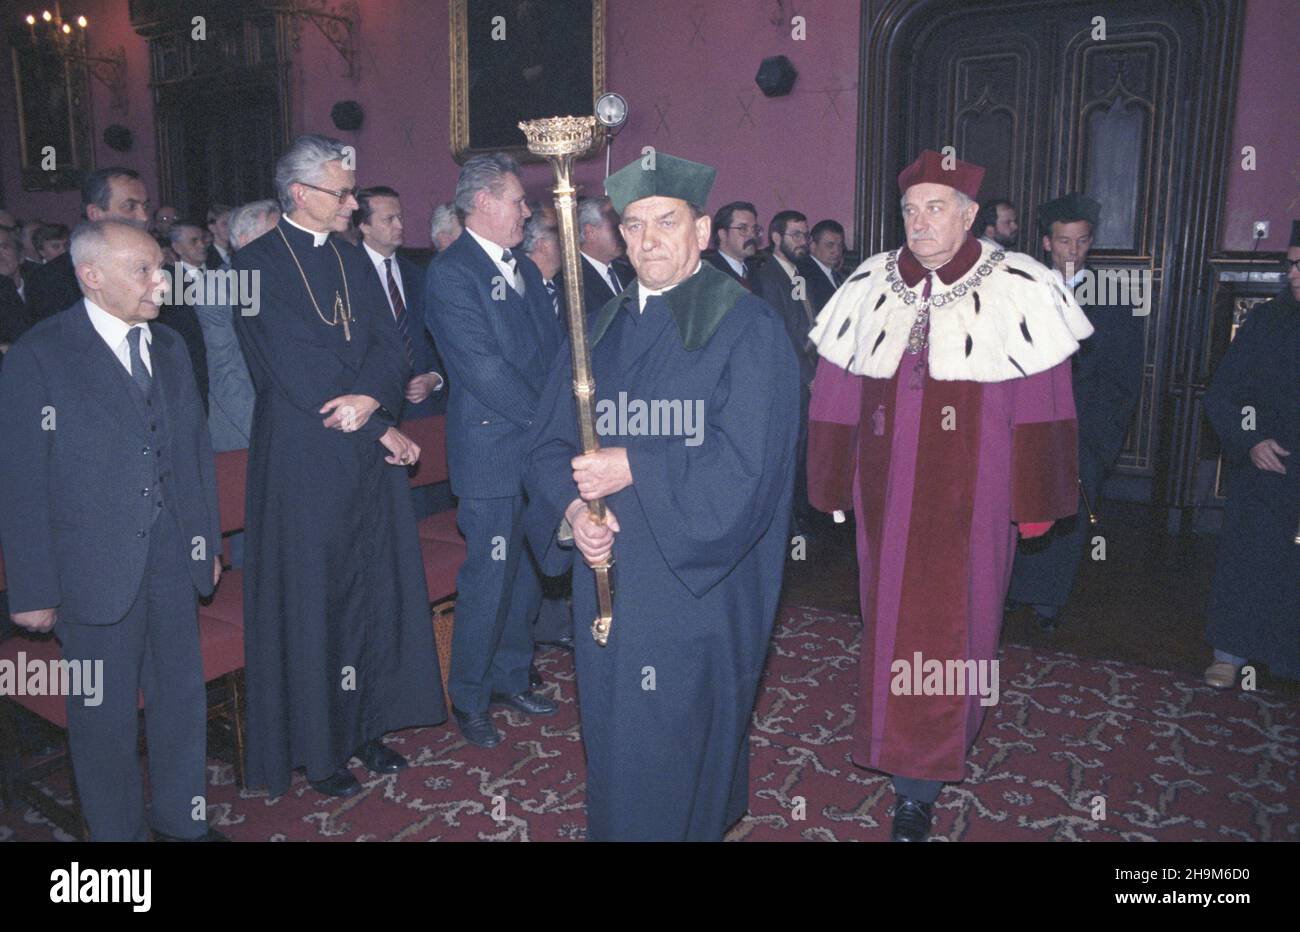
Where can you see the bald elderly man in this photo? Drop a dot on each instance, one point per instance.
(108, 520)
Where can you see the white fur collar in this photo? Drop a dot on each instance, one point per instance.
(1007, 318)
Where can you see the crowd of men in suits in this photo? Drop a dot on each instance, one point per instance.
(435, 328)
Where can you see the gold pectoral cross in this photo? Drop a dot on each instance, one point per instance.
(341, 314)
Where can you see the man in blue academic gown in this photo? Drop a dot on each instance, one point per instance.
(338, 638)
(1107, 379)
(1254, 405)
(697, 404)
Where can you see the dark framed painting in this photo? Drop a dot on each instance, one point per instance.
(515, 60)
(54, 123)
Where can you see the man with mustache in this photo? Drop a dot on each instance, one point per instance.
(942, 414)
(779, 282)
(736, 233)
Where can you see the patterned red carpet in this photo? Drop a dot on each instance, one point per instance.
(1173, 759)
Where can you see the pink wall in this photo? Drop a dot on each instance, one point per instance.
(1268, 114)
(687, 70)
(795, 151)
(110, 27)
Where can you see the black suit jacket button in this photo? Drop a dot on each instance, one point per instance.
(139, 533)
(144, 491)
(146, 451)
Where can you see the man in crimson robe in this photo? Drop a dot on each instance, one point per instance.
(942, 414)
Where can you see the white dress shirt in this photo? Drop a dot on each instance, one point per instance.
(826, 270)
(112, 330)
(378, 261)
(604, 270)
(737, 266)
(643, 292)
(317, 239)
(495, 253)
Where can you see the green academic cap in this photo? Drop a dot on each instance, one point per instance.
(1074, 206)
(657, 174)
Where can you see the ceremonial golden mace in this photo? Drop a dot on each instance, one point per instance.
(560, 140)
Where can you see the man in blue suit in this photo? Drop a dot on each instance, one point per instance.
(491, 316)
(378, 217)
(108, 519)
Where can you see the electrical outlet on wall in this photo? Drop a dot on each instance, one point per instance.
(1260, 229)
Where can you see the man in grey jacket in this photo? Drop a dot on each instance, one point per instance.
(230, 392)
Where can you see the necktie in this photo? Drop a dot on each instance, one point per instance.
(508, 258)
(139, 372)
(554, 292)
(399, 313)
(613, 281)
(744, 277)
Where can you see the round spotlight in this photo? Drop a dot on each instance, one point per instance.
(611, 110)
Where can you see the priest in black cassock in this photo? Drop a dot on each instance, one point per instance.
(699, 508)
(1254, 405)
(1106, 376)
(338, 638)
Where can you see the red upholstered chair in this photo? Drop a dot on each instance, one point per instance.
(227, 603)
(441, 545)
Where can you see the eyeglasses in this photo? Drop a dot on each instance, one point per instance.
(341, 195)
(1289, 264)
(744, 229)
(796, 235)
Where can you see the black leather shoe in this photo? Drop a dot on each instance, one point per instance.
(377, 758)
(911, 820)
(477, 728)
(211, 835)
(340, 783)
(531, 703)
(535, 680)
(1046, 623)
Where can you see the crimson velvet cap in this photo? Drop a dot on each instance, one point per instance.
(932, 167)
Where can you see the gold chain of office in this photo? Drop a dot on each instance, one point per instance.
(340, 308)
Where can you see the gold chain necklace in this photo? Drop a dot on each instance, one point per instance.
(339, 308)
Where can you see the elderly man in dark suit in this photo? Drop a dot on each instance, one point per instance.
(490, 314)
(108, 518)
(379, 219)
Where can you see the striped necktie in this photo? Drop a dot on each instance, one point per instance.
(554, 292)
(399, 313)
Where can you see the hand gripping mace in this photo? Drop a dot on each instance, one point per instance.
(560, 139)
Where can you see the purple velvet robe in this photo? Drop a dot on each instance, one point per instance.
(939, 473)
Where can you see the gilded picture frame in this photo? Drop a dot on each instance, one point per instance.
(54, 120)
(515, 60)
